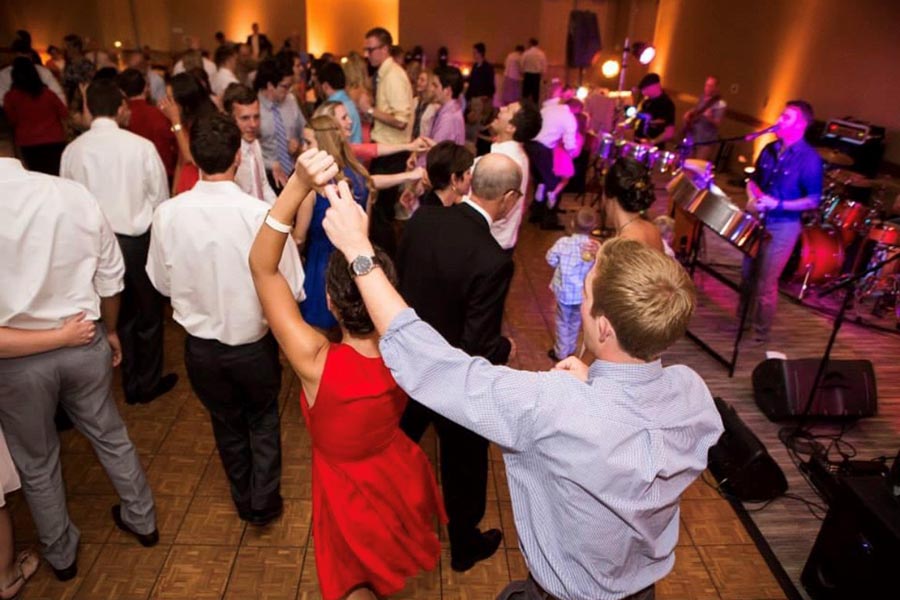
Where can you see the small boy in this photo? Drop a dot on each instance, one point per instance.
(572, 257)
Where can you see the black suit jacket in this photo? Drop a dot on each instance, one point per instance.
(455, 275)
(265, 46)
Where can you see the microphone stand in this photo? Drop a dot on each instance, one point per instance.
(848, 283)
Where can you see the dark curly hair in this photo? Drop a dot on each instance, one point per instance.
(346, 301)
(628, 181)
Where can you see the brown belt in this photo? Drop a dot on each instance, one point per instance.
(645, 594)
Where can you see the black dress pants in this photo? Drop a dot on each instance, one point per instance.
(464, 473)
(381, 227)
(531, 87)
(239, 386)
(140, 325)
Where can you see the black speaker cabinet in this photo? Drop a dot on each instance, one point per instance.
(847, 390)
(857, 551)
(583, 38)
(741, 464)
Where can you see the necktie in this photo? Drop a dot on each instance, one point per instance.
(281, 143)
(257, 175)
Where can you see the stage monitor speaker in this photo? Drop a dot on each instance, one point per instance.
(741, 464)
(847, 390)
(858, 547)
(583, 39)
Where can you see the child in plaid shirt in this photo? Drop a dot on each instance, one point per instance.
(572, 256)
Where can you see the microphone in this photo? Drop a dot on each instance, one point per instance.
(756, 134)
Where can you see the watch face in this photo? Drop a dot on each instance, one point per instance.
(362, 265)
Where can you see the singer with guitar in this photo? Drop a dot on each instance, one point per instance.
(701, 123)
(787, 181)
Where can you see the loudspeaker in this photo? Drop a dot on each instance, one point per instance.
(741, 464)
(583, 39)
(857, 551)
(847, 390)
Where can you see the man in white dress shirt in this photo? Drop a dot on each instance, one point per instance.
(514, 125)
(534, 64)
(61, 259)
(126, 175)
(226, 64)
(242, 103)
(199, 258)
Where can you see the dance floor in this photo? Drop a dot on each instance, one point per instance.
(207, 552)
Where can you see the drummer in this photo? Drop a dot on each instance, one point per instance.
(786, 182)
(656, 113)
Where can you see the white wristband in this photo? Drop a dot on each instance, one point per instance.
(277, 225)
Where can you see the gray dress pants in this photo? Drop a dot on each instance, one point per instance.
(79, 379)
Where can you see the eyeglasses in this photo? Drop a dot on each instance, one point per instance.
(372, 48)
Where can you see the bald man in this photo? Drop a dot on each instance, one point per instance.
(456, 276)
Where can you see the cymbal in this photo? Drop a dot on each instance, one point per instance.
(834, 157)
(886, 182)
(846, 177)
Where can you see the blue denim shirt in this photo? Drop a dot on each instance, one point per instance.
(795, 173)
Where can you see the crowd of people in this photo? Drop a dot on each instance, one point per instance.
(361, 217)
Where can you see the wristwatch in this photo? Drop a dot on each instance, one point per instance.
(175, 128)
(371, 111)
(362, 265)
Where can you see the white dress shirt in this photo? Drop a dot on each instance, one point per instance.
(559, 124)
(221, 80)
(251, 173)
(45, 75)
(534, 60)
(208, 66)
(199, 248)
(506, 230)
(59, 254)
(122, 169)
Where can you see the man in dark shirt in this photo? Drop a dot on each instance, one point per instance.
(148, 121)
(656, 113)
(786, 182)
(481, 80)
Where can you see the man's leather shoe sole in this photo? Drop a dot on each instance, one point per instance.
(66, 573)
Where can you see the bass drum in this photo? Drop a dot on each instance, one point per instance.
(819, 251)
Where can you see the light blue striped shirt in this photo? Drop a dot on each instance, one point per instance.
(595, 469)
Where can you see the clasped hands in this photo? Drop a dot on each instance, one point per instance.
(346, 223)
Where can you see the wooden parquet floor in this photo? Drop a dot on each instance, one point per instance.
(207, 552)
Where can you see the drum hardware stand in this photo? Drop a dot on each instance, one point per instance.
(693, 262)
(849, 283)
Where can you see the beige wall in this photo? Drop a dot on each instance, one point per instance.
(339, 25)
(839, 55)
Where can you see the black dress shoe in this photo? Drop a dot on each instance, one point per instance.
(484, 548)
(551, 354)
(67, 573)
(146, 539)
(162, 387)
(261, 519)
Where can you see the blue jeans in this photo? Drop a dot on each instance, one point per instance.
(773, 256)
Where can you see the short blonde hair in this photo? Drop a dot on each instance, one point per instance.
(646, 296)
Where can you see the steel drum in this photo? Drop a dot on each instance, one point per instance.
(664, 162)
(697, 196)
(643, 153)
(606, 147)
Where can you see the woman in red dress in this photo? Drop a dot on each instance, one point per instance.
(374, 492)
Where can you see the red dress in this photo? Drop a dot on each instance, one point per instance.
(374, 493)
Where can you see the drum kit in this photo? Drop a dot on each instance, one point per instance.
(850, 233)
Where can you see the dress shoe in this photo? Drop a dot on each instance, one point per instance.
(484, 548)
(66, 573)
(146, 539)
(261, 518)
(162, 387)
(551, 354)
